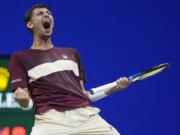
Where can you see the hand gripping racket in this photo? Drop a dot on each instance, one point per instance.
(134, 78)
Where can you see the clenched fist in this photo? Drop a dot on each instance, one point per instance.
(123, 83)
(22, 96)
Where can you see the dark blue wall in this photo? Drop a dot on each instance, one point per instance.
(115, 38)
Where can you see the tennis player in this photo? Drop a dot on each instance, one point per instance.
(52, 79)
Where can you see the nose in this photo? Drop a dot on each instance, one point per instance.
(46, 15)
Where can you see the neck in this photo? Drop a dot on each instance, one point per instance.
(42, 44)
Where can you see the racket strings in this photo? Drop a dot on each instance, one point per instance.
(151, 73)
(148, 73)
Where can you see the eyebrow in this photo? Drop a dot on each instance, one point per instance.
(39, 12)
(47, 11)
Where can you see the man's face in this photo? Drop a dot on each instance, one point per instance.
(42, 22)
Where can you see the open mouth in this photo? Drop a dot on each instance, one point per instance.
(46, 22)
(46, 25)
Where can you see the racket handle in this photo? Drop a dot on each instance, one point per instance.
(103, 87)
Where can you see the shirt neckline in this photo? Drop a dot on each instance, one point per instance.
(40, 50)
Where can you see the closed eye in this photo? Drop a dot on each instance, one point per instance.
(39, 13)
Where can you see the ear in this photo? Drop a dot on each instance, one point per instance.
(29, 25)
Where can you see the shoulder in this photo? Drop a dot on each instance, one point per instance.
(15, 59)
(22, 52)
(18, 55)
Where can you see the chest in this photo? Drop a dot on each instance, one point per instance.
(41, 65)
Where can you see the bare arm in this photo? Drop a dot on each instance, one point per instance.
(122, 83)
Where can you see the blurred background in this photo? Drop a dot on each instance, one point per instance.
(115, 38)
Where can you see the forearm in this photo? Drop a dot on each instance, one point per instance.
(107, 89)
(113, 90)
(100, 92)
(97, 96)
(110, 91)
(23, 103)
(28, 105)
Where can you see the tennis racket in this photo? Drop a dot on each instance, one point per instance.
(149, 72)
(134, 78)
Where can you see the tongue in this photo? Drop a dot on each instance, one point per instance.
(46, 25)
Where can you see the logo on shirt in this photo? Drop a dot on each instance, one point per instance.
(16, 80)
(4, 78)
(65, 56)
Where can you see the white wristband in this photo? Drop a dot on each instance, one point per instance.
(30, 105)
(103, 87)
(97, 96)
